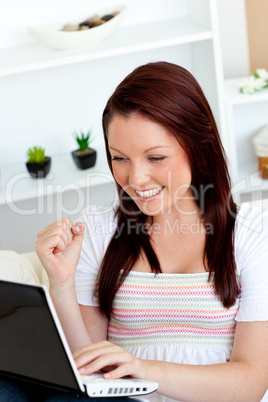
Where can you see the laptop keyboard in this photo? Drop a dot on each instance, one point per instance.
(89, 379)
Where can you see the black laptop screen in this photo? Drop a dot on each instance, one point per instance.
(30, 346)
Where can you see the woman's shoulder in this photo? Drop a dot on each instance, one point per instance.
(104, 212)
(251, 218)
(251, 254)
(251, 233)
(99, 220)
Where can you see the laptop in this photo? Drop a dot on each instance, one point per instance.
(33, 347)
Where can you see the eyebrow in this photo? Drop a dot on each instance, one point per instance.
(147, 150)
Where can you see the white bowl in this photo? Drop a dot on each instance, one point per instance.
(54, 37)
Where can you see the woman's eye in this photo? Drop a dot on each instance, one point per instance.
(118, 158)
(156, 158)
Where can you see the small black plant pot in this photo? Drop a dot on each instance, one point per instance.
(84, 160)
(39, 170)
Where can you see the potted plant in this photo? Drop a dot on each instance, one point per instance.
(84, 157)
(38, 164)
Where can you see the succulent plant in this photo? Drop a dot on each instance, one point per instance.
(83, 140)
(36, 155)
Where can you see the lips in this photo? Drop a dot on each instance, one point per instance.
(149, 193)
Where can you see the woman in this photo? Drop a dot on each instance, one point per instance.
(171, 285)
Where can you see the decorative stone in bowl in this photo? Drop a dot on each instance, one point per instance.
(82, 33)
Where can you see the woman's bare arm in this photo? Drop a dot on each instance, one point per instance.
(58, 247)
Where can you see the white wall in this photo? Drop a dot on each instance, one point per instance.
(234, 38)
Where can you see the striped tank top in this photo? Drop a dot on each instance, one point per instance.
(172, 317)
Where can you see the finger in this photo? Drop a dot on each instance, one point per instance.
(108, 359)
(91, 347)
(50, 244)
(47, 245)
(121, 371)
(78, 230)
(55, 227)
(57, 237)
(90, 356)
(131, 367)
(63, 233)
(100, 357)
(69, 234)
(59, 222)
(61, 245)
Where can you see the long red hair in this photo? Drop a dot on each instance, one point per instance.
(169, 95)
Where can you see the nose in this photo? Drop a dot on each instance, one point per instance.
(139, 175)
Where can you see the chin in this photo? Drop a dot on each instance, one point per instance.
(150, 209)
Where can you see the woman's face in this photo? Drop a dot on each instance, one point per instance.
(149, 164)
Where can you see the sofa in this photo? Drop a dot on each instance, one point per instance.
(25, 268)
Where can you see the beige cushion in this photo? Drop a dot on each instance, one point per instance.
(38, 267)
(17, 268)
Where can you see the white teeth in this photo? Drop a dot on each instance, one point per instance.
(149, 193)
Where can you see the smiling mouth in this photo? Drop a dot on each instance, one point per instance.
(149, 193)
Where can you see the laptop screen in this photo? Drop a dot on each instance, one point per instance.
(30, 346)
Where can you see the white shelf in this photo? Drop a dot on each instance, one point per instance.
(235, 97)
(17, 185)
(125, 40)
(245, 176)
